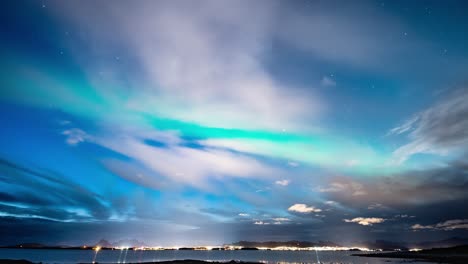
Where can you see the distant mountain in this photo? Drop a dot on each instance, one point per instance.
(121, 243)
(293, 243)
(31, 245)
(104, 244)
(129, 243)
(381, 244)
(378, 244)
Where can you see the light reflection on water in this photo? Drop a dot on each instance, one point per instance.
(138, 256)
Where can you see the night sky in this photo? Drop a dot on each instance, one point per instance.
(208, 122)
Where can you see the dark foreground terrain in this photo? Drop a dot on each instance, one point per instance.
(187, 261)
(455, 255)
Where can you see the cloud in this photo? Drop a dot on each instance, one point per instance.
(244, 214)
(403, 216)
(200, 164)
(327, 81)
(283, 182)
(446, 225)
(352, 162)
(353, 188)
(302, 208)
(274, 221)
(365, 221)
(281, 219)
(134, 172)
(208, 58)
(440, 129)
(375, 206)
(75, 136)
(413, 187)
(46, 195)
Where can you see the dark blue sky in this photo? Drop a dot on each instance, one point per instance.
(182, 123)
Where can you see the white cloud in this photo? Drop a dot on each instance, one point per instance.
(352, 162)
(303, 208)
(365, 221)
(418, 226)
(327, 81)
(261, 223)
(196, 59)
(446, 225)
(244, 214)
(75, 136)
(283, 182)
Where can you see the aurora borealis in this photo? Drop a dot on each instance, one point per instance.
(208, 122)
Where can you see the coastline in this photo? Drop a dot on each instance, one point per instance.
(185, 261)
(452, 255)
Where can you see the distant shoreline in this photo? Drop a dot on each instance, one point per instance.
(166, 249)
(186, 261)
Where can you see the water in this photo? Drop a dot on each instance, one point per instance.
(114, 256)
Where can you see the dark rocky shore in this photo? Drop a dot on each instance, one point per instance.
(14, 261)
(454, 255)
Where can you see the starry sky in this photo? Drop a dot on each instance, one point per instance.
(208, 122)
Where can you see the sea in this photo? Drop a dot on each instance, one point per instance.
(140, 256)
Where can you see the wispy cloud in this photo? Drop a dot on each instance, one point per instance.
(59, 199)
(375, 206)
(199, 164)
(439, 129)
(353, 188)
(446, 225)
(281, 219)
